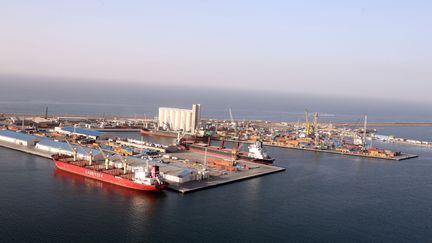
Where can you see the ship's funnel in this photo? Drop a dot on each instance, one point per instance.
(154, 171)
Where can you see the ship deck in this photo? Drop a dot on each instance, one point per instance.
(100, 167)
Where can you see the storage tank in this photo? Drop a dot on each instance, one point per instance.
(183, 120)
(171, 118)
(165, 118)
(188, 121)
(161, 117)
(177, 119)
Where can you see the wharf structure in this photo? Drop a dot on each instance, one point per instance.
(186, 172)
(398, 157)
(401, 156)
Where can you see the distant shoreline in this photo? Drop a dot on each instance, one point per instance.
(351, 124)
(390, 124)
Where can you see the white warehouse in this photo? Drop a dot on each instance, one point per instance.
(176, 119)
(18, 138)
(54, 147)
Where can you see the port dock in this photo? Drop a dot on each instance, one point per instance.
(225, 179)
(218, 178)
(25, 149)
(402, 156)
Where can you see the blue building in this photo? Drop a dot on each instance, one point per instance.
(18, 138)
(81, 132)
(54, 147)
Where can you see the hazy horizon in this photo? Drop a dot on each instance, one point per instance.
(368, 49)
(67, 96)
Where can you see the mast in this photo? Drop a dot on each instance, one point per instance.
(308, 127)
(233, 123)
(315, 129)
(364, 132)
(205, 157)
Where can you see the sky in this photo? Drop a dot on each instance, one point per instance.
(376, 49)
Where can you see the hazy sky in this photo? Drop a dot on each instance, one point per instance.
(359, 48)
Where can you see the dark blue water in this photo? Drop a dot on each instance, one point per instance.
(320, 197)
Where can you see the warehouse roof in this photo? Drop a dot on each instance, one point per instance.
(64, 146)
(17, 135)
(84, 131)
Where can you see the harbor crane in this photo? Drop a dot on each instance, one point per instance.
(105, 157)
(308, 127)
(364, 132)
(315, 129)
(236, 150)
(233, 123)
(73, 150)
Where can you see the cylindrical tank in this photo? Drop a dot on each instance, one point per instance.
(161, 117)
(166, 118)
(188, 121)
(171, 118)
(177, 119)
(183, 120)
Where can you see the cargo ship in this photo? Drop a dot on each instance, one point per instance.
(147, 179)
(256, 151)
(167, 134)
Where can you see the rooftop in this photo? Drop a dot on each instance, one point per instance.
(17, 135)
(84, 131)
(64, 146)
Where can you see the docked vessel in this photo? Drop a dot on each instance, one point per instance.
(167, 134)
(147, 179)
(256, 152)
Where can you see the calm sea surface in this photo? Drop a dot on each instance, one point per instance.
(320, 197)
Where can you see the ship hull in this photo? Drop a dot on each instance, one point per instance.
(158, 133)
(100, 176)
(227, 153)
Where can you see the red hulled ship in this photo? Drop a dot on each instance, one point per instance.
(147, 179)
(256, 151)
(167, 134)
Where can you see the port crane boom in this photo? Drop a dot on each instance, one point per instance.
(364, 132)
(308, 125)
(233, 123)
(315, 129)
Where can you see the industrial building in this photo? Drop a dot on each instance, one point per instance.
(179, 175)
(171, 173)
(176, 119)
(18, 138)
(54, 147)
(81, 132)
